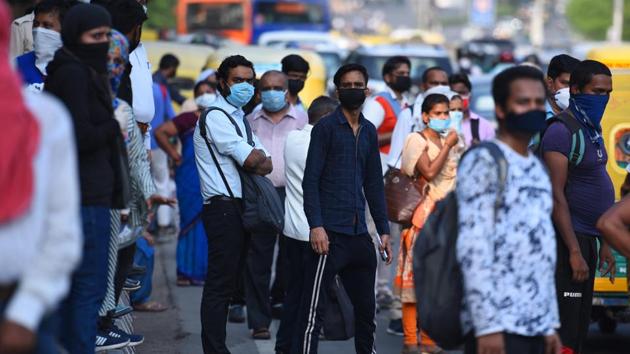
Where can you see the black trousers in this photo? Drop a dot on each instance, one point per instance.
(227, 250)
(514, 344)
(298, 253)
(353, 257)
(575, 300)
(258, 275)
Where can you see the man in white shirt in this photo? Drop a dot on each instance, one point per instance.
(41, 248)
(384, 108)
(271, 124)
(219, 156)
(296, 227)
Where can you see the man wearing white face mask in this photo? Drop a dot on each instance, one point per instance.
(558, 77)
(272, 125)
(46, 41)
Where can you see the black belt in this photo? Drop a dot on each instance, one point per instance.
(221, 198)
(7, 291)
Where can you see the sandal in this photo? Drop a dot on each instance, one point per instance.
(151, 306)
(262, 333)
(183, 281)
(431, 349)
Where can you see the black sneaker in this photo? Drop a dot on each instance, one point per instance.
(110, 340)
(395, 328)
(236, 314)
(134, 339)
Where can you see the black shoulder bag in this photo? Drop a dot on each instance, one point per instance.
(262, 207)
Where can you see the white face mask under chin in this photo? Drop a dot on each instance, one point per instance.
(562, 98)
(46, 42)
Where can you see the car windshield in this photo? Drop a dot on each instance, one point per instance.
(374, 65)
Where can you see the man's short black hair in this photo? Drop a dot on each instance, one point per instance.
(57, 6)
(223, 72)
(344, 69)
(460, 78)
(168, 61)
(584, 72)
(126, 14)
(321, 107)
(394, 62)
(561, 64)
(433, 99)
(425, 74)
(294, 62)
(502, 83)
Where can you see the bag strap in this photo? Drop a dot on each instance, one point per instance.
(204, 135)
(502, 166)
(474, 129)
(577, 137)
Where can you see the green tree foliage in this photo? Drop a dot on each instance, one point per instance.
(162, 14)
(592, 19)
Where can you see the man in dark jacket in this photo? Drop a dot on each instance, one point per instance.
(78, 77)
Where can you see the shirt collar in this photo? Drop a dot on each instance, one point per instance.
(474, 115)
(221, 102)
(261, 113)
(309, 127)
(341, 118)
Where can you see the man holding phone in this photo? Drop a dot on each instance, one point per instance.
(343, 171)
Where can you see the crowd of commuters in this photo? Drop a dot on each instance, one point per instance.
(87, 183)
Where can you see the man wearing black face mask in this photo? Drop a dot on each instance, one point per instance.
(384, 108)
(296, 69)
(343, 170)
(574, 151)
(78, 77)
(506, 250)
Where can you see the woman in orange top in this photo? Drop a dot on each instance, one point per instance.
(431, 154)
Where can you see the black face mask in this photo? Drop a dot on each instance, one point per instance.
(295, 86)
(352, 98)
(529, 123)
(401, 83)
(93, 55)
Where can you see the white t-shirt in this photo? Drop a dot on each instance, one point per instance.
(141, 85)
(295, 153)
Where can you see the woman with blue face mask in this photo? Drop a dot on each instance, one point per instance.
(433, 155)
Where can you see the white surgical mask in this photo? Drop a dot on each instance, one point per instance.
(46, 42)
(204, 101)
(562, 98)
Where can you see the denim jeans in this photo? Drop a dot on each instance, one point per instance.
(145, 256)
(89, 284)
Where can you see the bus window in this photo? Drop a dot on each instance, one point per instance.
(214, 17)
(288, 13)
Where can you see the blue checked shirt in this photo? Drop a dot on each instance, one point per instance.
(342, 172)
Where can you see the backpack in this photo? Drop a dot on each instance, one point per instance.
(437, 274)
(262, 207)
(576, 155)
(338, 322)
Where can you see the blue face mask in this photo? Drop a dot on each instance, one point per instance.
(273, 100)
(439, 125)
(240, 94)
(456, 120)
(593, 105)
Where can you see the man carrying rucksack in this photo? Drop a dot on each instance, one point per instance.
(506, 246)
(574, 151)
